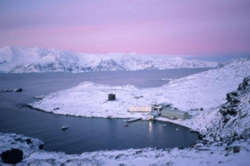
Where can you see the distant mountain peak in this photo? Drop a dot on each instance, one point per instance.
(19, 60)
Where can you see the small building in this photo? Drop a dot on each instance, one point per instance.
(173, 113)
(140, 109)
(111, 97)
(163, 110)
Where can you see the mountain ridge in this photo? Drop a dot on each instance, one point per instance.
(25, 60)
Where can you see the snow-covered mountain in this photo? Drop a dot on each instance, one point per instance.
(19, 60)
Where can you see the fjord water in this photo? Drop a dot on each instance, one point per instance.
(87, 134)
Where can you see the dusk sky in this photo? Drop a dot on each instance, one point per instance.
(141, 26)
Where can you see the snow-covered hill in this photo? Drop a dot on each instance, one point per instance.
(227, 126)
(19, 60)
(230, 143)
(207, 90)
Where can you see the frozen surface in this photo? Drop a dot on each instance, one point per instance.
(23, 60)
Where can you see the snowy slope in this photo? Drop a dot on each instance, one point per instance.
(219, 151)
(227, 122)
(234, 116)
(207, 90)
(227, 125)
(19, 60)
(199, 155)
(230, 146)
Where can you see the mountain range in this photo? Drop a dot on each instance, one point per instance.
(25, 60)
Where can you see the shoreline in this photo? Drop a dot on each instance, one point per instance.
(111, 118)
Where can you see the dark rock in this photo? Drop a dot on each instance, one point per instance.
(205, 142)
(244, 84)
(56, 108)
(181, 147)
(236, 149)
(225, 120)
(235, 101)
(64, 128)
(228, 111)
(229, 97)
(223, 111)
(12, 156)
(200, 136)
(28, 141)
(232, 112)
(234, 93)
(241, 137)
(41, 146)
(111, 97)
(118, 156)
(227, 148)
(232, 97)
(138, 152)
(19, 90)
(121, 164)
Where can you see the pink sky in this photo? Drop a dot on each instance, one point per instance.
(141, 26)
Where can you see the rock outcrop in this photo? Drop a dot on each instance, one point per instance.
(234, 123)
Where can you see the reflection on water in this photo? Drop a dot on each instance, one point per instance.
(150, 127)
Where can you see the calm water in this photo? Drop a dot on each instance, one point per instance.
(86, 134)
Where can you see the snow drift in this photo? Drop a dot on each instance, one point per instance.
(23, 60)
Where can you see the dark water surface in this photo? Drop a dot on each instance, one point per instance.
(85, 134)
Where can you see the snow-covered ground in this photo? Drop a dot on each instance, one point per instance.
(225, 121)
(27, 144)
(232, 122)
(207, 90)
(23, 60)
(208, 155)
